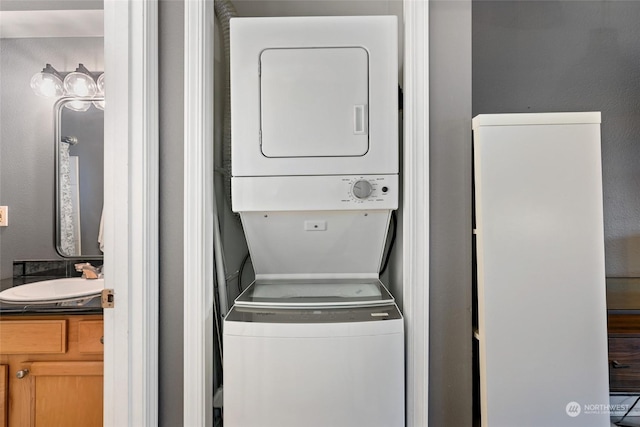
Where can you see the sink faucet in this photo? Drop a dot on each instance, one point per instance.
(89, 271)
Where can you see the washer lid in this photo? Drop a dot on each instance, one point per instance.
(316, 315)
(315, 293)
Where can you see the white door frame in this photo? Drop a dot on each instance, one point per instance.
(415, 265)
(131, 213)
(198, 213)
(198, 278)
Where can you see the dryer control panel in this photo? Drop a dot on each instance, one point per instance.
(303, 193)
(365, 189)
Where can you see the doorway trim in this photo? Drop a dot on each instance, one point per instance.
(198, 214)
(415, 267)
(131, 213)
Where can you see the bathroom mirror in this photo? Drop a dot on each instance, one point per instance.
(79, 172)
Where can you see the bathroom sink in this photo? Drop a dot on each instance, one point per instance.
(50, 291)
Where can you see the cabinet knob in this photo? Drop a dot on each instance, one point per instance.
(617, 365)
(21, 374)
(102, 339)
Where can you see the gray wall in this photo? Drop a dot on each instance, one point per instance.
(50, 4)
(27, 145)
(572, 56)
(450, 336)
(171, 73)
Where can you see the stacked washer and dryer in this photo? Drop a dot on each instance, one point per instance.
(316, 340)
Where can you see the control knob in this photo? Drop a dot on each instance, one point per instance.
(362, 189)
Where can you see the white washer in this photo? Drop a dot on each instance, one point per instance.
(302, 356)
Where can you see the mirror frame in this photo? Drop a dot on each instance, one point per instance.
(58, 107)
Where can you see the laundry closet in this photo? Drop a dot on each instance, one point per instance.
(308, 185)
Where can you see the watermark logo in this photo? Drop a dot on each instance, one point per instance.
(573, 409)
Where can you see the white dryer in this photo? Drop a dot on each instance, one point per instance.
(314, 96)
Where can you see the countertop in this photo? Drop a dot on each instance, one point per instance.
(91, 307)
(623, 295)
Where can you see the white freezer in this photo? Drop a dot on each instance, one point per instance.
(541, 276)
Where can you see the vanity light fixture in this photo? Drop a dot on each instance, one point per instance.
(81, 83)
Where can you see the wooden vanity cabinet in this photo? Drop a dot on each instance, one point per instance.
(4, 397)
(54, 371)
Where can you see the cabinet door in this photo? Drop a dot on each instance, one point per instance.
(66, 394)
(540, 266)
(4, 398)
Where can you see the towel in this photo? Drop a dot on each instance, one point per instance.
(101, 231)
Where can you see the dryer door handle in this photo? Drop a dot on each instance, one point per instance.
(360, 119)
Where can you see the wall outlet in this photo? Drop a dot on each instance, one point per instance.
(4, 216)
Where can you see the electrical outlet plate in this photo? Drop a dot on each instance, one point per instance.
(4, 212)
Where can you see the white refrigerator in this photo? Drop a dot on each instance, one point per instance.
(542, 326)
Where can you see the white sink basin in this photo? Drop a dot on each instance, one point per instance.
(50, 291)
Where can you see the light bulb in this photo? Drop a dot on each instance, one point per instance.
(46, 85)
(100, 84)
(80, 84)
